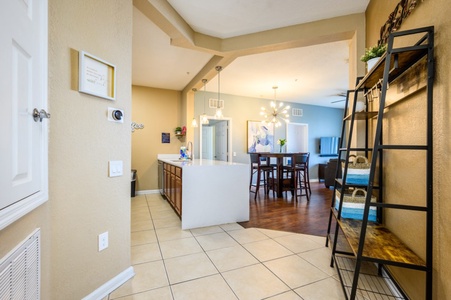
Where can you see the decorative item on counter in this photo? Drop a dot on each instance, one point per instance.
(183, 154)
(282, 143)
(183, 130)
(358, 172)
(353, 205)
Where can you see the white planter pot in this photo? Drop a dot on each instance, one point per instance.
(370, 64)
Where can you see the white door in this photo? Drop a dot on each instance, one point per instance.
(297, 137)
(207, 142)
(23, 87)
(221, 141)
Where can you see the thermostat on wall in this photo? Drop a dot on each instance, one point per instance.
(115, 115)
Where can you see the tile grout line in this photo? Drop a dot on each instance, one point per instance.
(159, 248)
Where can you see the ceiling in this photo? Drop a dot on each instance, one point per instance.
(311, 74)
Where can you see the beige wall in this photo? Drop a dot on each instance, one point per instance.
(160, 111)
(83, 201)
(411, 226)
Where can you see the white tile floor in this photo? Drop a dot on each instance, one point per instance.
(222, 262)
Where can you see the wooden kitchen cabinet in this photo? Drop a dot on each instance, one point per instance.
(173, 187)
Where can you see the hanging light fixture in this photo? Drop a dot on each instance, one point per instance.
(203, 117)
(218, 113)
(276, 112)
(194, 121)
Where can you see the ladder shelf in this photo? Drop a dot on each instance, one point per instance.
(363, 249)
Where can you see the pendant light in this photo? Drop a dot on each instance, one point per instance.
(218, 113)
(194, 121)
(275, 113)
(203, 117)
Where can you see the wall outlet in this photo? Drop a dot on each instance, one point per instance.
(103, 241)
(115, 168)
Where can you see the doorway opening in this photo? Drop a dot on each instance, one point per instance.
(297, 137)
(215, 139)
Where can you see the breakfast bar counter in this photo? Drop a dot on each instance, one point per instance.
(212, 192)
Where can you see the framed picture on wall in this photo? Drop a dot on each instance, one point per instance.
(260, 137)
(165, 137)
(96, 76)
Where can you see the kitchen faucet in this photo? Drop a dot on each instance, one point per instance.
(190, 150)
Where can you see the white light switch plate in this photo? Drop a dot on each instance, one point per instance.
(115, 168)
(103, 241)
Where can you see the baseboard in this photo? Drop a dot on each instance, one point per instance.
(145, 192)
(104, 290)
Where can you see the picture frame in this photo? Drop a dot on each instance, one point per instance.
(165, 137)
(96, 76)
(260, 137)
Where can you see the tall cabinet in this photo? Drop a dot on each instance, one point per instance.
(373, 245)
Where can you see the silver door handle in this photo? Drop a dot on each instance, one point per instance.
(39, 115)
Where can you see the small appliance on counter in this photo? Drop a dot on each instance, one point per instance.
(183, 153)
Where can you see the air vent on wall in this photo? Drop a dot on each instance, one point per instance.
(297, 112)
(20, 270)
(213, 103)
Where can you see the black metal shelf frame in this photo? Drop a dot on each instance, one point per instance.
(360, 234)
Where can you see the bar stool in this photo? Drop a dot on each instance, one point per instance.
(259, 169)
(297, 170)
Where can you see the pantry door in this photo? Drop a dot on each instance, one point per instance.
(23, 88)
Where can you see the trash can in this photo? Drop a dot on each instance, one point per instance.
(133, 187)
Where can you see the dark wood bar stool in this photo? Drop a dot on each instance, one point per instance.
(261, 168)
(297, 170)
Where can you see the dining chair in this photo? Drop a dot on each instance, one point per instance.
(261, 168)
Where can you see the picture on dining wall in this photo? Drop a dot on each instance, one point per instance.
(260, 137)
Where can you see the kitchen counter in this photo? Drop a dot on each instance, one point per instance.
(213, 192)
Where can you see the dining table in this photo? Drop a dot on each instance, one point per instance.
(279, 166)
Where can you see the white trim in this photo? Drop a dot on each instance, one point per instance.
(19, 209)
(146, 192)
(108, 287)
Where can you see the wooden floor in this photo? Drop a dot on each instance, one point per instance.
(308, 217)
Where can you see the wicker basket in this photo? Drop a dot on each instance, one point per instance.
(358, 170)
(353, 205)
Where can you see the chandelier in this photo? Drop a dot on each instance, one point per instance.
(203, 117)
(276, 112)
(218, 113)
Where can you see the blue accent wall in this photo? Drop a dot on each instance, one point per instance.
(322, 121)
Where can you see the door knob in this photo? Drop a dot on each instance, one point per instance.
(39, 115)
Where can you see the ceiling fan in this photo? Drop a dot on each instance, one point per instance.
(342, 95)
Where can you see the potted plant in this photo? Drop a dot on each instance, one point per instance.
(178, 130)
(373, 54)
(282, 143)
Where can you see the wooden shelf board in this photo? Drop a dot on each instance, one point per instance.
(362, 115)
(405, 60)
(342, 244)
(380, 243)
